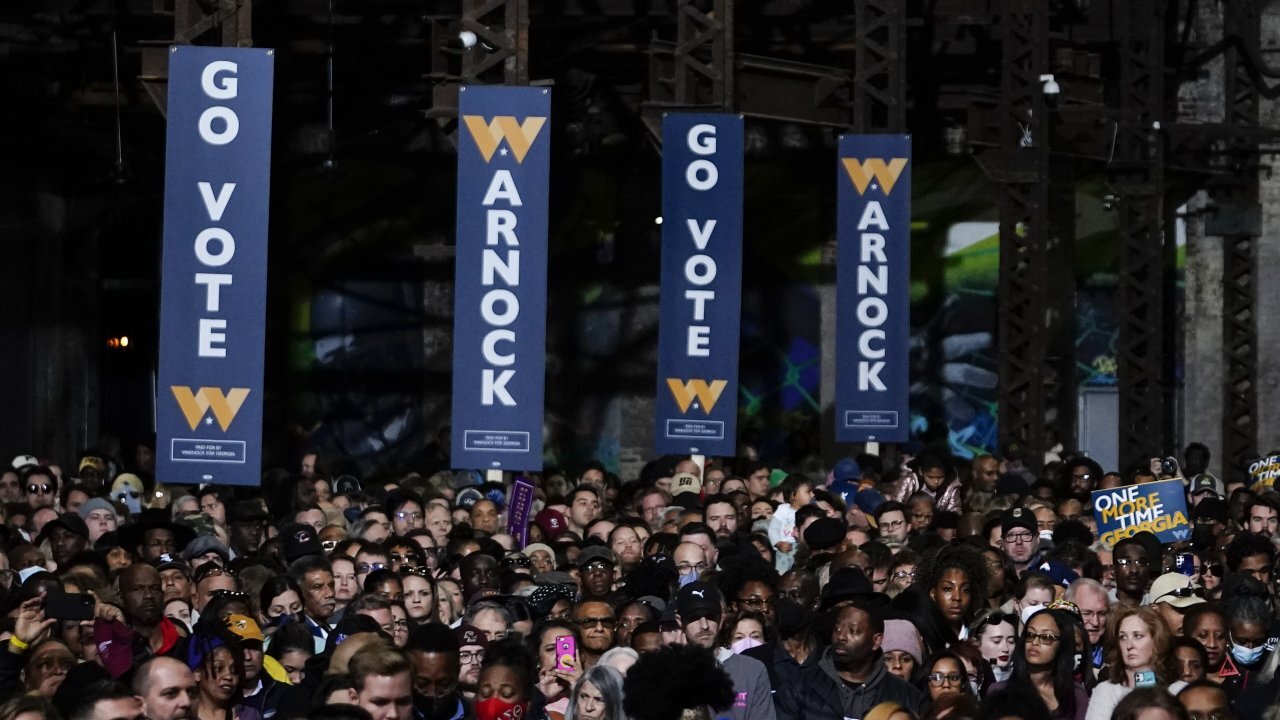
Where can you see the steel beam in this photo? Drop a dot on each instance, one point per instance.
(501, 52)
(879, 95)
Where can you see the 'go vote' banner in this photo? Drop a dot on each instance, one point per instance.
(214, 276)
(500, 301)
(1158, 507)
(696, 405)
(873, 273)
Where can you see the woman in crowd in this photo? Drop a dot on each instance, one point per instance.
(1249, 616)
(1150, 703)
(281, 603)
(554, 680)
(597, 695)
(1207, 624)
(744, 630)
(218, 659)
(1191, 659)
(419, 595)
(292, 646)
(943, 674)
(902, 650)
(1044, 660)
(506, 685)
(1138, 653)
(955, 578)
(994, 633)
(449, 598)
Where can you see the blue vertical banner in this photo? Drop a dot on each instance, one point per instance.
(214, 274)
(696, 405)
(873, 275)
(500, 300)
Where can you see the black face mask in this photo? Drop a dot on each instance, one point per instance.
(433, 708)
(1202, 536)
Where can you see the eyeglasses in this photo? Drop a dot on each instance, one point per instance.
(45, 489)
(998, 618)
(213, 569)
(604, 622)
(905, 575)
(597, 566)
(1039, 638)
(1094, 614)
(756, 603)
(1214, 570)
(1184, 592)
(1126, 562)
(408, 515)
(1019, 538)
(893, 524)
(365, 568)
(685, 568)
(403, 557)
(1223, 714)
(466, 657)
(941, 679)
(516, 561)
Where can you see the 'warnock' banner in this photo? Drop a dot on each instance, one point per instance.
(500, 302)
(873, 274)
(214, 276)
(696, 406)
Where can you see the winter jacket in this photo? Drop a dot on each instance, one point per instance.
(821, 694)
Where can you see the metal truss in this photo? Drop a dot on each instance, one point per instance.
(699, 69)
(501, 52)
(879, 98)
(228, 23)
(1146, 352)
(1239, 330)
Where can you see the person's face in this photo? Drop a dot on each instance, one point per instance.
(952, 594)
(171, 693)
(761, 510)
(399, 626)
(1137, 646)
(893, 526)
(218, 679)
(214, 508)
(247, 534)
(542, 561)
(1094, 609)
(286, 603)
(439, 523)
(175, 584)
(500, 681)
(702, 628)
(900, 664)
(921, 515)
(142, 595)
(1020, 544)
(747, 628)
(758, 483)
(41, 491)
(435, 674)
(903, 577)
(478, 571)
(596, 623)
(934, 477)
(722, 518)
(1190, 669)
(484, 516)
(997, 644)
(48, 667)
(387, 697)
(690, 558)
(64, 544)
(626, 545)
(631, 616)
(852, 640)
(10, 487)
(1248, 634)
(1203, 703)
(1081, 480)
(308, 465)
(408, 517)
(1210, 630)
(469, 659)
(1263, 520)
(597, 577)
(75, 499)
(178, 610)
(318, 594)
(1107, 560)
(946, 676)
(792, 587)
(986, 473)
(100, 522)
(419, 598)
(651, 506)
(207, 586)
(585, 508)
(759, 597)
(803, 496)
(344, 578)
(1046, 519)
(314, 517)
(591, 704)
(1132, 569)
(1041, 641)
(1257, 567)
(252, 662)
(491, 624)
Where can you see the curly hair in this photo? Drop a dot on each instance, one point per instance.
(664, 683)
(964, 558)
(1162, 659)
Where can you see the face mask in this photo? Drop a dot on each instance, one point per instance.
(1030, 610)
(745, 644)
(688, 578)
(1247, 656)
(1202, 535)
(499, 709)
(437, 708)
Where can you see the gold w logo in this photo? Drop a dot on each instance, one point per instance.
(195, 405)
(519, 136)
(706, 394)
(862, 172)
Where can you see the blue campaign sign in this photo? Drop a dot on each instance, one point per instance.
(1158, 507)
(500, 301)
(696, 406)
(214, 274)
(873, 274)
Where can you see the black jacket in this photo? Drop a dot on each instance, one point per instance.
(783, 669)
(821, 694)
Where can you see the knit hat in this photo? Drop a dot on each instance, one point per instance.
(96, 503)
(902, 635)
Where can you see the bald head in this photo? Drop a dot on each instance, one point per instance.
(690, 557)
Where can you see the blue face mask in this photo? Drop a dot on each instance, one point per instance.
(688, 578)
(1247, 656)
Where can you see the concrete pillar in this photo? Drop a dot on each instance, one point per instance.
(1268, 259)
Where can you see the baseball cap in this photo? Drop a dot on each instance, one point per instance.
(92, 461)
(1177, 590)
(1212, 508)
(298, 540)
(205, 544)
(467, 478)
(172, 562)
(845, 490)
(470, 635)
(596, 552)
(685, 483)
(1204, 482)
(23, 461)
(468, 497)
(846, 470)
(698, 600)
(245, 627)
(868, 501)
(1018, 517)
(1059, 573)
(552, 522)
(70, 522)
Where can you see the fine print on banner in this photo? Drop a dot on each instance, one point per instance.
(1263, 472)
(1159, 508)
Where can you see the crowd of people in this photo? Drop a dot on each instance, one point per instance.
(922, 586)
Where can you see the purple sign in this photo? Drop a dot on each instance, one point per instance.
(518, 509)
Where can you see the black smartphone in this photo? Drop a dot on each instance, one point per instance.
(69, 606)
